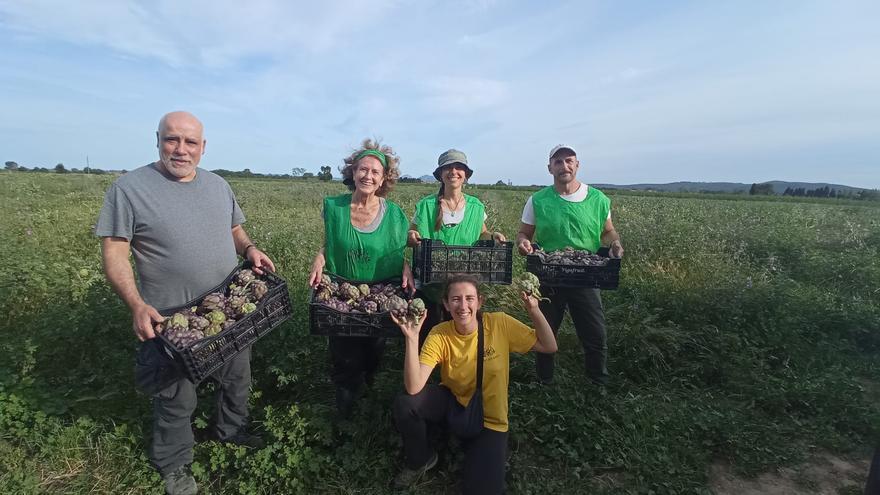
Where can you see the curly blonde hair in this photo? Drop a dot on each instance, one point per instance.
(392, 172)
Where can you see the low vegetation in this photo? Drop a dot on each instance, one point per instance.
(744, 331)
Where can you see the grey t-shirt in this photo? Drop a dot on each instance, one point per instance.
(180, 232)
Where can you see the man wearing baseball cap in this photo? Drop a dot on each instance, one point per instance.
(571, 214)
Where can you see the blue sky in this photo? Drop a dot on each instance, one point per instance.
(646, 91)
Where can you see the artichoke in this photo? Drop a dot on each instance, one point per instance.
(259, 289)
(214, 329)
(239, 290)
(213, 302)
(397, 306)
(198, 323)
(323, 295)
(235, 303)
(177, 323)
(380, 299)
(245, 277)
(325, 281)
(369, 307)
(364, 289)
(529, 283)
(181, 330)
(416, 308)
(216, 317)
(348, 291)
(248, 308)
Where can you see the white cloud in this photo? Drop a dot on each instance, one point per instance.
(205, 33)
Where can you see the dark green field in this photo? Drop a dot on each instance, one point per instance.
(744, 332)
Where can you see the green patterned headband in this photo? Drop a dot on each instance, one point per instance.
(376, 153)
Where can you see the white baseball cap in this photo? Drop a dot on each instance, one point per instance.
(561, 147)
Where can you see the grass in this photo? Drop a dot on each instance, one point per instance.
(743, 330)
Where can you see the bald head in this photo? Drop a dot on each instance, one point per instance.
(181, 118)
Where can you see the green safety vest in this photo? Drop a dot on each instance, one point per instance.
(560, 223)
(364, 257)
(464, 233)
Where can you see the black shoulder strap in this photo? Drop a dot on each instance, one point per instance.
(479, 352)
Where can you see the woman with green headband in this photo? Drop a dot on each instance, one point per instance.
(451, 216)
(364, 241)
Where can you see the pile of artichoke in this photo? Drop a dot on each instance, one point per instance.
(569, 256)
(215, 312)
(474, 260)
(367, 298)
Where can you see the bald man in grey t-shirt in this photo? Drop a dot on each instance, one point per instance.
(183, 227)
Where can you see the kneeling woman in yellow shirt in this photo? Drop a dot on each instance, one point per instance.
(453, 345)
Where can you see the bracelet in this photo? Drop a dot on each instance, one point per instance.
(244, 253)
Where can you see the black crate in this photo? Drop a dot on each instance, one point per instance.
(434, 261)
(559, 275)
(210, 353)
(324, 320)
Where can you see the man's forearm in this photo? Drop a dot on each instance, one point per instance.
(241, 240)
(610, 236)
(118, 271)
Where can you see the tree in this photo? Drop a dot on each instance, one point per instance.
(297, 171)
(761, 189)
(869, 194)
(500, 183)
(59, 169)
(307, 175)
(325, 173)
(11, 166)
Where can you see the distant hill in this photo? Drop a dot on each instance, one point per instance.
(428, 179)
(779, 186)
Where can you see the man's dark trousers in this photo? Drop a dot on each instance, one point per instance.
(588, 315)
(173, 407)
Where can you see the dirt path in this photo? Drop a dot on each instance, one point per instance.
(826, 474)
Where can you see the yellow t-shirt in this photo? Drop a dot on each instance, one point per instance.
(456, 354)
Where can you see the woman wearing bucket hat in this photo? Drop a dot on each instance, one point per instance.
(364, 240)
(450, 216)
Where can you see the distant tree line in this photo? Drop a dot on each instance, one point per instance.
(325, 172)
(58, 169)
(819, 192)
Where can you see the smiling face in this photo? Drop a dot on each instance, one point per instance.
(453, 175)
(563, 166)
(369, 174)
(181, 145)
(463, 301)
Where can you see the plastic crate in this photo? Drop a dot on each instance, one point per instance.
(560, 275)
(434, 261)
(210, 353)
(324, 320)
